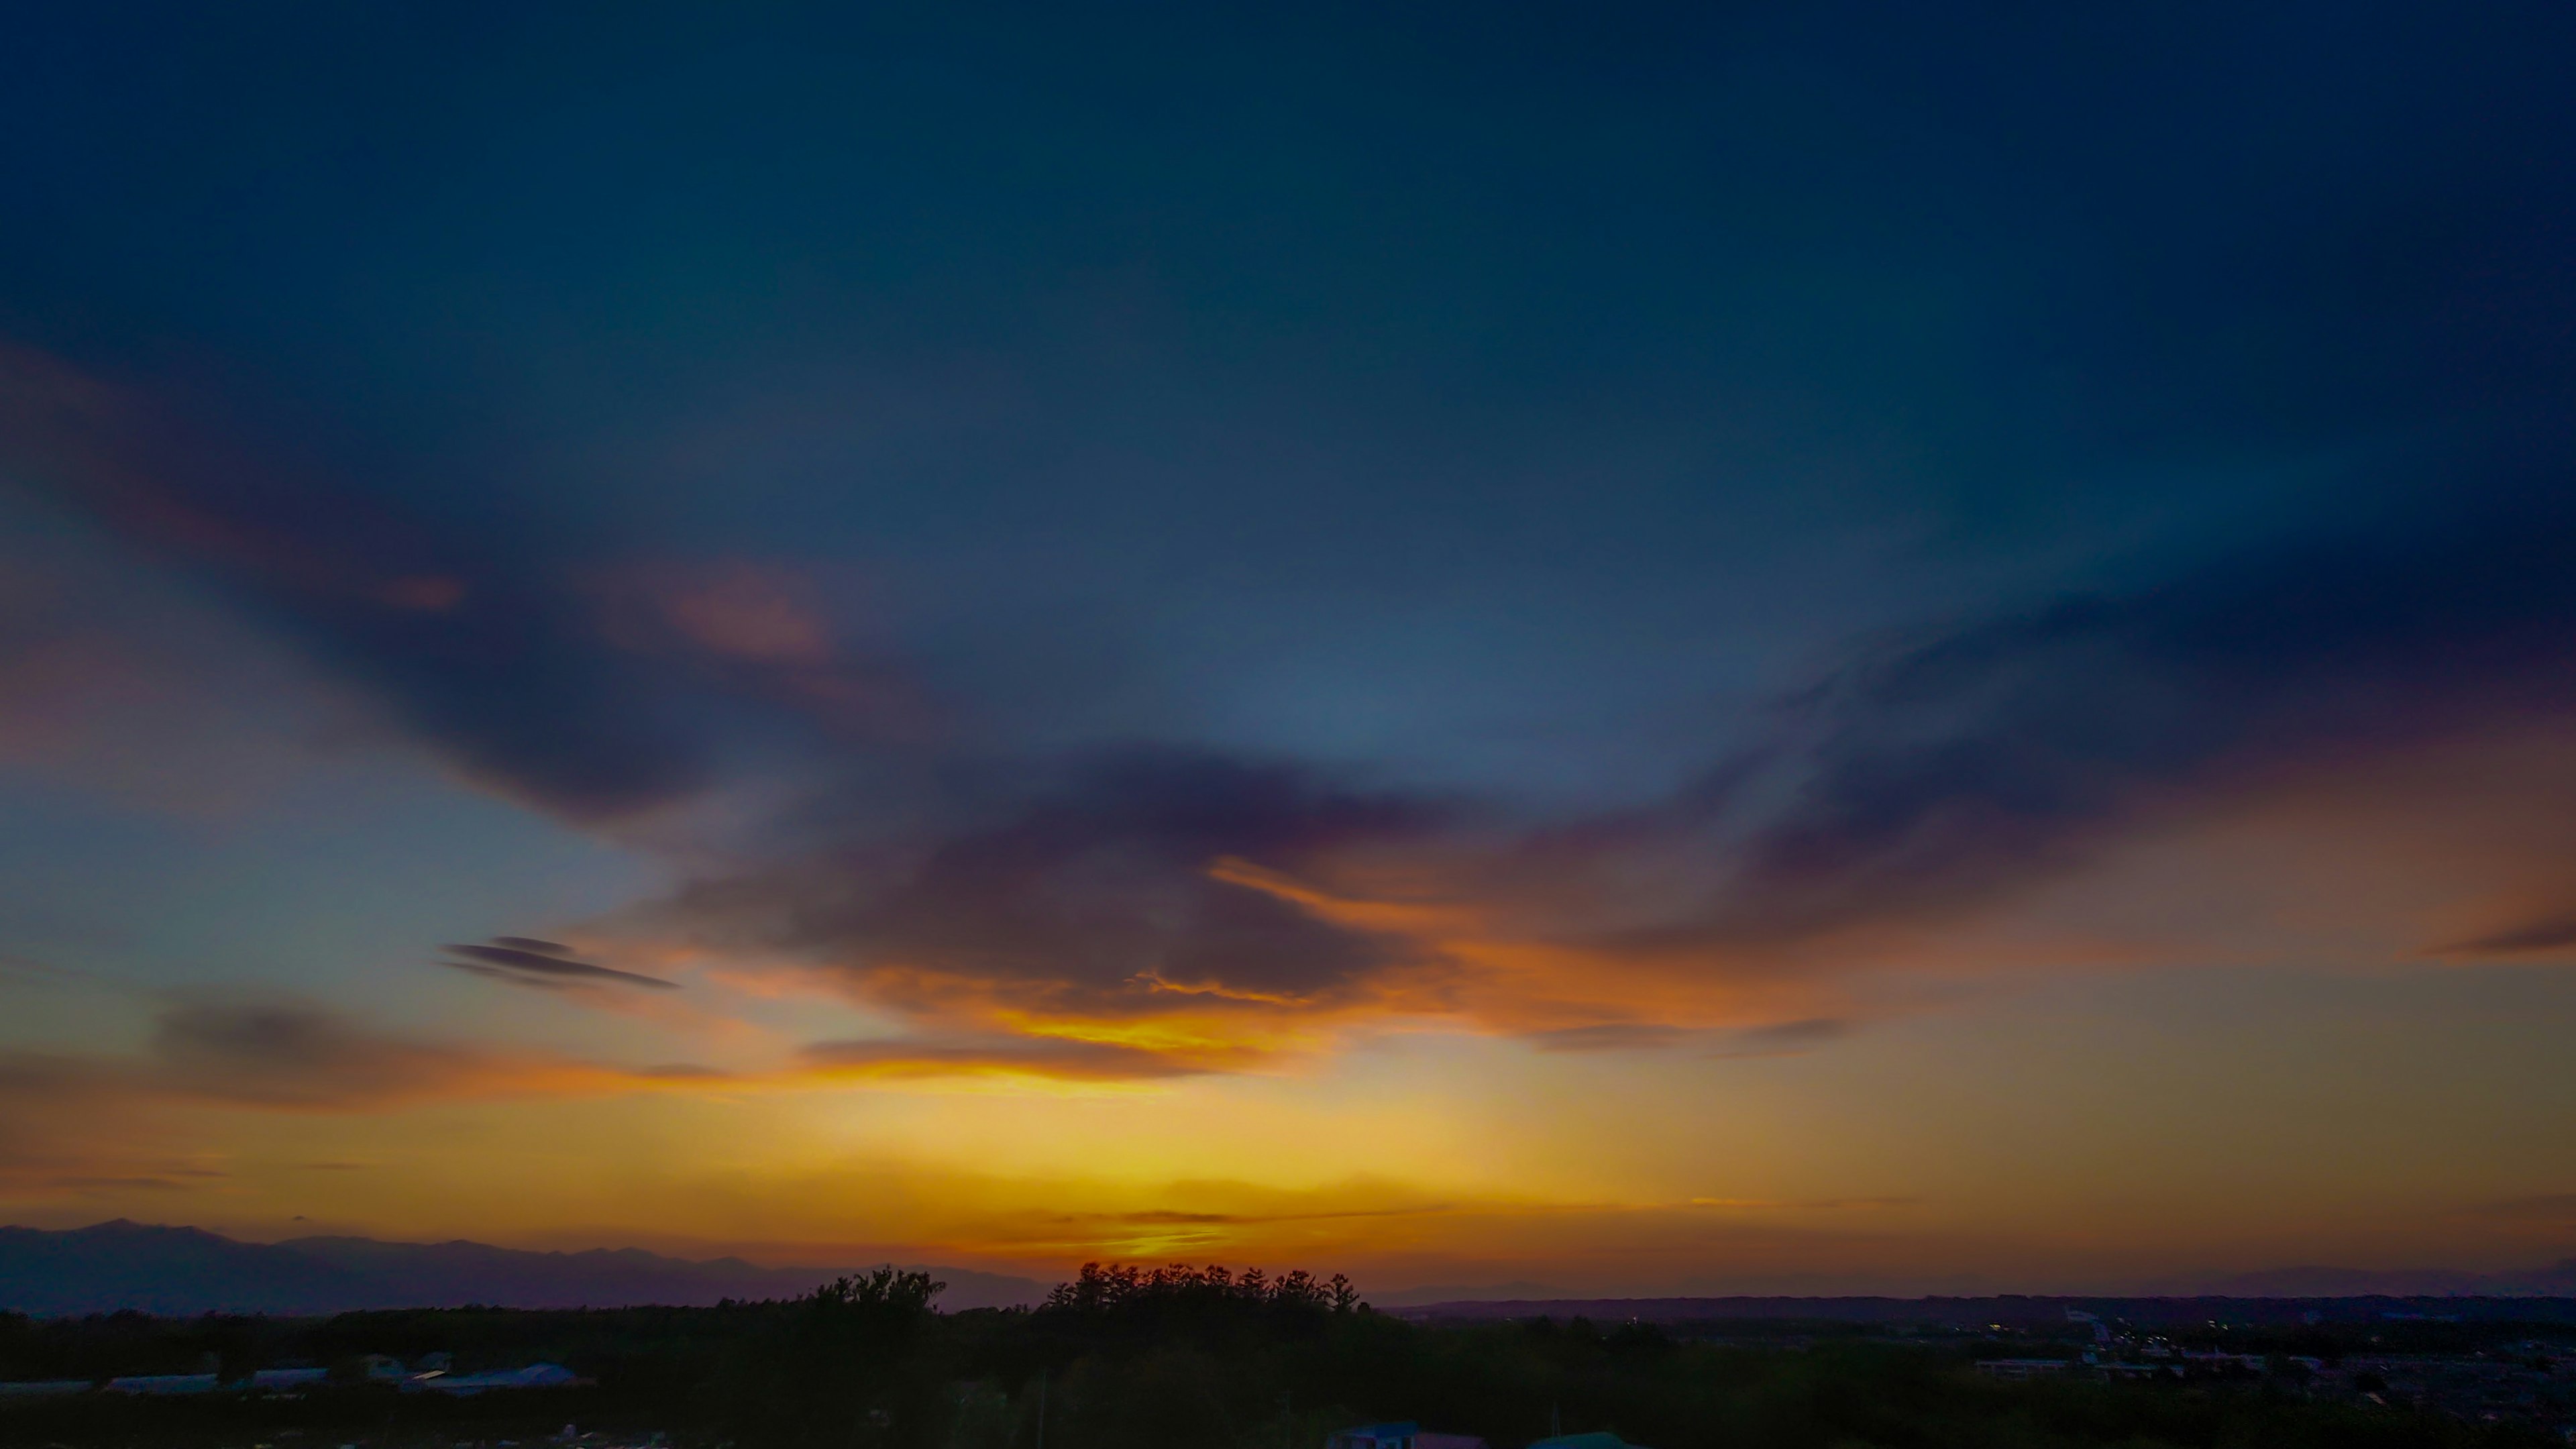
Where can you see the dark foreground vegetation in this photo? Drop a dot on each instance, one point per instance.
(1177, 1359)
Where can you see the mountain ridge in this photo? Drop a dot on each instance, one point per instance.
(179, 1271)
(182, 1270)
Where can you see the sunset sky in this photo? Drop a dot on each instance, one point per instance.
(1801, 648)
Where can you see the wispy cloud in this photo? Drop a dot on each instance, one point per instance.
(1055, 1059)
(305, 1059)
(487, 658)
(1937, 778)
(573, 687)
(1610, 1036)
(70, 1119)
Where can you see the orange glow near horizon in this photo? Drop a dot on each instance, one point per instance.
(2053, 1097)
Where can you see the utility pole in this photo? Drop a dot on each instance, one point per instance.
(1041, 1406)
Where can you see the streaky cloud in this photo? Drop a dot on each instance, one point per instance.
(509, 957)
(2545, 936)
(1933, 779)
(1043, 1057)
(485, 653)
(1609, 1036)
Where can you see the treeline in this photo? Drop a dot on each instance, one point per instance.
(1129, 1358)
(1181, 1290)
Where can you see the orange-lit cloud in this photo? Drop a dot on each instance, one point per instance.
(1434, 930)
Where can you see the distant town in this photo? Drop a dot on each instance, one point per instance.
(1128, 1355)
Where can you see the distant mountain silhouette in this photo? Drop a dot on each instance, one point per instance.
(1466, 1293)
(177, 1271)
(2023, 1311)
(2556, 1280)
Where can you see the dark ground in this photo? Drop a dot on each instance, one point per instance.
(1126, 1361)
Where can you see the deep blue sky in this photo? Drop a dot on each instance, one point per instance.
(1325, 380)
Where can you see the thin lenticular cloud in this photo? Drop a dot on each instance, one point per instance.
(526, 961)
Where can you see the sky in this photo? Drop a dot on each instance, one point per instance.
(1806, 648)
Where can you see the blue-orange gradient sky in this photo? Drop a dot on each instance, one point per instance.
(1800, 647)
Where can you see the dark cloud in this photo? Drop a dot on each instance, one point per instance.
(591, 693)
(1095, 892)
(1782, 1039)
(489, 657)
(531, 943)
(508, 978)
(1611, 1036)
(1017, 1056)
(1932, 778)
(303, 1058)
(68, 1120)
(1785, 1039)
(2532, 938)
(527, 962)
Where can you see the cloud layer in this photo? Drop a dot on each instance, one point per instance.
(1145, 910)
(1504, 432)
